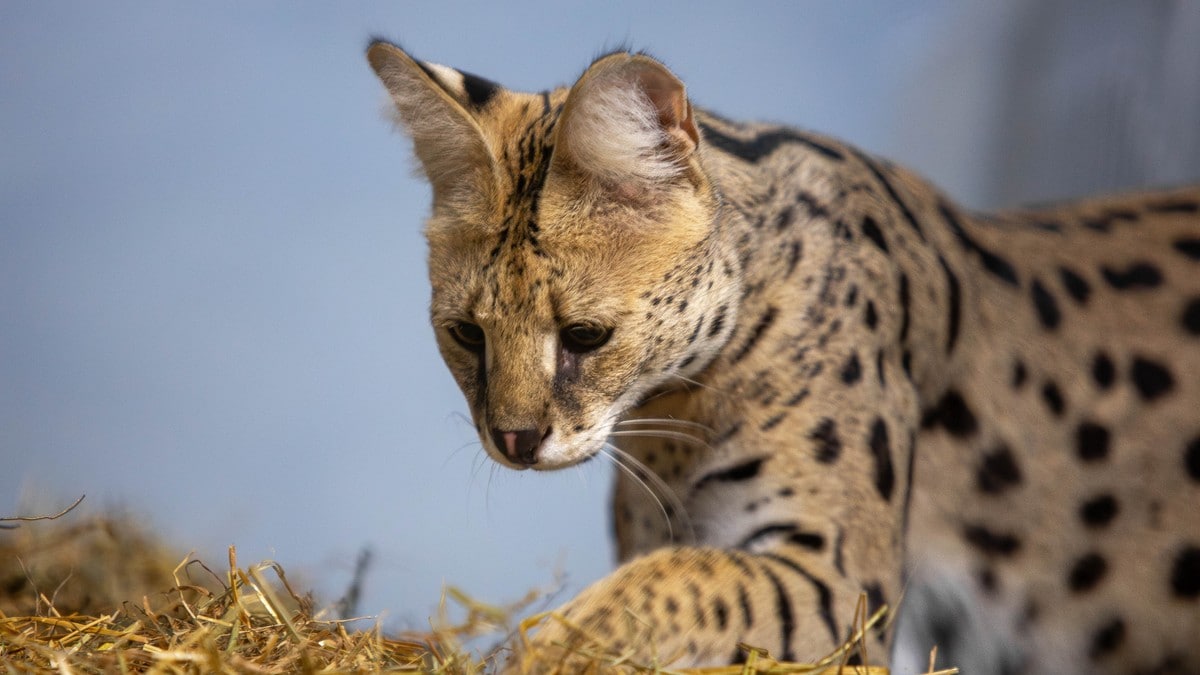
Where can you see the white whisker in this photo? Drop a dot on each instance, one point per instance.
(481, 459)
(656, 395)
(459, 449)
(633, 474)
(581, 474)
(655, 487)
(697, 383)
(487, 495)
(661, 433)
(666, 421)
(476, 465)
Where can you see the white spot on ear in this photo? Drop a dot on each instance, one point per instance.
(450, 78)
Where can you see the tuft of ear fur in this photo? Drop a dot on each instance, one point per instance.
(627, 118)
(432, 105)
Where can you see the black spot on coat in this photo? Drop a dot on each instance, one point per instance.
(953, 414)
(1185, 573)
(1053, 398)
(764, 322)
(881, 452)
(1087, 572)
(1019, 374)
(828, 445)
(1190, 318)
(1191, 459)
(870, 230)
(1138, 276)
(1173, 206)
(851, 370)
(990, 542)
(1046, 306)
(757, 147)
(1099, 511)
(870, 316)
(1108, 638)
(1092, 442)
(954, 300)
(1188, 246)
(998, 471)
(824, 595)
(993, 263)
(1076, 286)
(890, 189)
(1151, 378)
(1104, 373)
(733, 474)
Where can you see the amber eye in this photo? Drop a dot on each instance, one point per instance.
(584, 337)
(469, 335)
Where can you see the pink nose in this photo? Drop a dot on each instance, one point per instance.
(519, 446)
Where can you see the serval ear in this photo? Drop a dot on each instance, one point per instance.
(627, 117)
(436, 106)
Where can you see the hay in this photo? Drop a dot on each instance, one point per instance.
(89, 598)
(81, 564)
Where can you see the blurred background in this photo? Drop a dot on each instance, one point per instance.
(212, 287)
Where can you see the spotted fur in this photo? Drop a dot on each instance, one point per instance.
(821, 378)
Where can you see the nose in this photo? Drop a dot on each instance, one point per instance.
(519, 446)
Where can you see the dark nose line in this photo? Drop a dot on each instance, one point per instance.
(519, 446)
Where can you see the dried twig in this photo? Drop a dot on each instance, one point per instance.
(26, 519)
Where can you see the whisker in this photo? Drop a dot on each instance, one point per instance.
(661, 433)
(634, 475)
(487, 495)
(655, 486)
(697, 383)
(666, 421)
(481, 458)
(581, 474)
(459, 449)
(611, 418)
(657, 395)
(476, 466)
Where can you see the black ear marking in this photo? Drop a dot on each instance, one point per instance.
(429, 71)
(479, 90)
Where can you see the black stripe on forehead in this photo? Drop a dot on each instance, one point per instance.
(534, 150)
(540, 142)
(529, 167)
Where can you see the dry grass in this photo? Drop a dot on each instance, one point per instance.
(103, 596)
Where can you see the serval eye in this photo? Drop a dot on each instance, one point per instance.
(584, 337)
(469, 335)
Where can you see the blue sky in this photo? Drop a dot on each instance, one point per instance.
(212, 286)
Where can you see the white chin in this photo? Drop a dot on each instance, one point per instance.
(554, 456)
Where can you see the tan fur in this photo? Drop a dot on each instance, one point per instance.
(821, 378)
